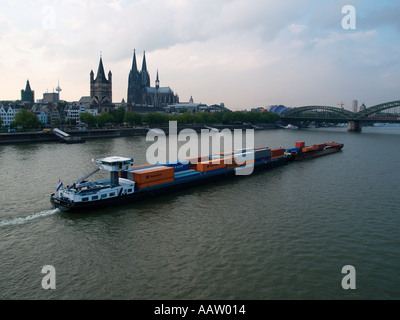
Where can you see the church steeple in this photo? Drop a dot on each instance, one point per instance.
(28, 86)
(101, 76)
(157, 81)
(134, 82)
(134, 66)
(144, 74)
(144, 65)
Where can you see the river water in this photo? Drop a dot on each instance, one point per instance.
(285, 233)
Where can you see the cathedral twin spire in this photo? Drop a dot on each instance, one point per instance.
(141, 93)
(143, 74)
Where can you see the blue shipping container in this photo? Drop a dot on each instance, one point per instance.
(293, 149)
(177, 166)
(186, 174)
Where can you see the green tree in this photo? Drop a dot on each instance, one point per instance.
(201, 118)
(119, 115)
(71, 122)
(213, 118)
(104, 118)
(186, 118)
(1, 122)
(133, 117)
(269, 117)
(219, 115)
(156, 118)
(87, 118)
(227, 117)
(26, 119)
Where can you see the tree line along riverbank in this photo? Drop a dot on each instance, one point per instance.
(28, 120)
(116, 132)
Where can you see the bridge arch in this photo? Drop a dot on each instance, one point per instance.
(299, 112)
(377, 108)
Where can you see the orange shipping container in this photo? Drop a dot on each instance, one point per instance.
(225, 153)
(195, 160)
(153, 183)
(209, 165)
(306, 149)
(319, 146)
(300, 144)
(333, 144)
(153, 174)
(229, 162)
(277, 152)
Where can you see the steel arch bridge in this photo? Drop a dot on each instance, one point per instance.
(320, 113)
(334, 114)
(378, 108)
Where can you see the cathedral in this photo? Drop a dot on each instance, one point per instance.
(141, 93)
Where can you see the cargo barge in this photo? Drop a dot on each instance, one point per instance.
(302, 151)
(128, 183)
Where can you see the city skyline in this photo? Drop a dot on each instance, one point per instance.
(245, 55)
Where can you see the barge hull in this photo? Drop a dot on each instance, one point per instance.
(318, 153)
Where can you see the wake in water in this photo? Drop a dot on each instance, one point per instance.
(22, 220)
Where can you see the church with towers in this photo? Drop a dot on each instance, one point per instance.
(101, 89)
(140, 92)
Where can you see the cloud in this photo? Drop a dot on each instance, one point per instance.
(234, 51)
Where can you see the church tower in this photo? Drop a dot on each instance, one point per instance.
(134, 83)
(28, 95)
(101, 89)
(144, 74)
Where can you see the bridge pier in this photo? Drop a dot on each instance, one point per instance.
(354, 126)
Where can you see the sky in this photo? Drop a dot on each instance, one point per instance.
(243, 53)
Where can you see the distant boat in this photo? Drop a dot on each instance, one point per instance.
(65, 137)
(290, 126)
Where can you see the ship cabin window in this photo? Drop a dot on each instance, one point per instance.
(95, 197)
(112, 194)
(103, 196)
(129, 190)
(85, 199)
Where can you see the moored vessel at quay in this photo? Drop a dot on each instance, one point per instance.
(128, 183)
